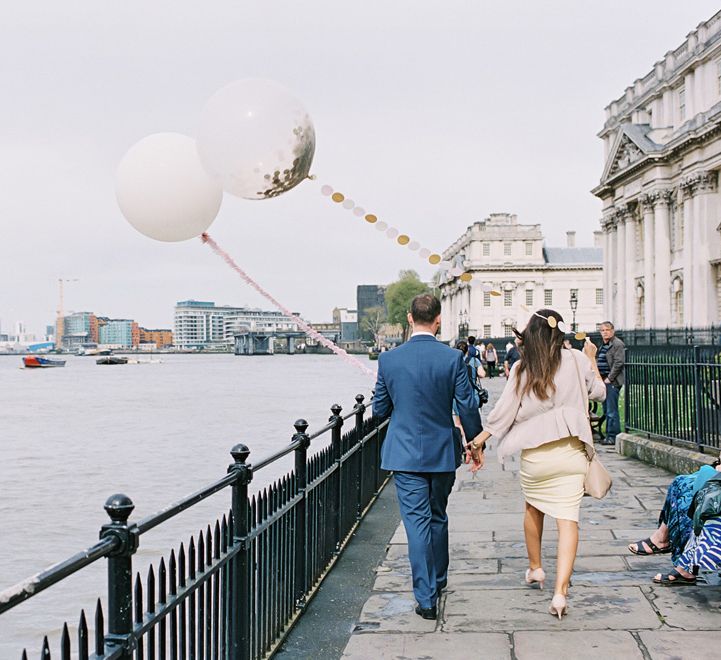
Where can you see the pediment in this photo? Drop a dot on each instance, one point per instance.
(631, 145)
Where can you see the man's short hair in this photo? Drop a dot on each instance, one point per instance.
(425, 308)
(609, 324)
(471, 340)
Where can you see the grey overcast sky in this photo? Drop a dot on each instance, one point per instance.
(430, 114)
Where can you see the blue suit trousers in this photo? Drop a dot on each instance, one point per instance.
(423, 497)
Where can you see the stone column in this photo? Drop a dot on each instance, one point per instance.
(630, 241)
(704, 281)
(662, 266)
(688, 189)
(612, 291)
(620, 307)
(647, 204)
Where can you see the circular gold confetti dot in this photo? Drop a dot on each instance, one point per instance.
(337, 197)
(434, 259)
(371, 218)
(552, 321)
(403, 239)
(495, 293)
(466, 277)
(580, 336)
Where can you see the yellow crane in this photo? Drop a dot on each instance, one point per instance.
(60, 322)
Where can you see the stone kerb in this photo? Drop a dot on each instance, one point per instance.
(678, 460)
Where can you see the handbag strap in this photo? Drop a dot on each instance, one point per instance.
(590, 451)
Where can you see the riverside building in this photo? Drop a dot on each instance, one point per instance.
(659, 188)
(203, 325)
(510, 258)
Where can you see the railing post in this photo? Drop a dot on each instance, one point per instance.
(239, 604)
(697, 396)
(361, 476)
(301, 519)
(335, 436)
(120, 575)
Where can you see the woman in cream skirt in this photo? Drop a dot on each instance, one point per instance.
(542, 413)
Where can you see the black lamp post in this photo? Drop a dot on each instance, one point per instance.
(462, 325)
(573, 301)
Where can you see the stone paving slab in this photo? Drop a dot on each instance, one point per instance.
(596, 645)
(615, 611)
(680, 645)
(490, 646)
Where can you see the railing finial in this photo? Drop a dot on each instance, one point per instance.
(119, 507)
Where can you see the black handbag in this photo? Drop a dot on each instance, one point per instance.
(706, 503)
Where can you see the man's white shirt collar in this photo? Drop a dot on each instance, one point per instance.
(423, 332)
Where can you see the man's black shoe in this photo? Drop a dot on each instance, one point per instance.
(608, 443)
(427, 612)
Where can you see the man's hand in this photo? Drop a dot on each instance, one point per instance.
(474, 455)
(605, 380)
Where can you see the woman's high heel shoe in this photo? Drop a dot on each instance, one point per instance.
(535, 575)
(559, 606)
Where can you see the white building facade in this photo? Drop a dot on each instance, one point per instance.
(202, 324)
(510, 259)
(659, 188)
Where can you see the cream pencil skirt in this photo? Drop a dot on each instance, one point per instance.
(552, 477)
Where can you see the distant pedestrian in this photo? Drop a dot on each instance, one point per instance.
(611, 361)
(472, 349)
(491, 359)
(513, 355)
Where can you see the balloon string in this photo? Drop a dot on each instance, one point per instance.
(324, 341)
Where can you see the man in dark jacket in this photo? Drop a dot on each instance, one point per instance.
(611, 365)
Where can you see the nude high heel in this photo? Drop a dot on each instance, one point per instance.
(559, 606)
(535, 575)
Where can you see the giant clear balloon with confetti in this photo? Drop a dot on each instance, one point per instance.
(163, 190)
(256, 139)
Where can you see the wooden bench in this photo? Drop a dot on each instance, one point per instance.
(596, 417)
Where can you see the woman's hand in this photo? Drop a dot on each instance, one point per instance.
(474, 452)
(590, 349)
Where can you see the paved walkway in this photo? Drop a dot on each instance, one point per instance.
(488, 612)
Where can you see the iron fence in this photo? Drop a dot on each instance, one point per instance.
(674, 393)
(241, 584)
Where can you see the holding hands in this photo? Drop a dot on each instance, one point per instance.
(474, 451)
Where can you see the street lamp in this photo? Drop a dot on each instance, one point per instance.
(573, 301)
(462, 325)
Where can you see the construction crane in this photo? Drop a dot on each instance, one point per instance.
(60, 322)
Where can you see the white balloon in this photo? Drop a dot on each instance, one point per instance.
(163, 190)
(256, 139)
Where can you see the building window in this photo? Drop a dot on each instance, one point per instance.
(507, 298)
(548, 297)
(486, 249)
(507, 249)
(486, 298)
(677, 301)
(529, 297)
(508, 329)
(529, 248)
(487, 330)
(682, 103)
(599, 296)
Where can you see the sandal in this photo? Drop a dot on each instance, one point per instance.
(674, 578)
(655, 550)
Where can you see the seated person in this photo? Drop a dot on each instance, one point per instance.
(703, 550)
(674, 528)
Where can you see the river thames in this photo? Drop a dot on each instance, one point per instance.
(71, 437)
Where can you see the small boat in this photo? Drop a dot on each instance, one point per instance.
(38, 362)
(112, 359)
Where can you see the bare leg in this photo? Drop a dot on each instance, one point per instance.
(533, 530)
(567, 547)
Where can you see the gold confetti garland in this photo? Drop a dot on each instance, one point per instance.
(403, 240)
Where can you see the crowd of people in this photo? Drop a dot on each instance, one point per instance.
(543, 414)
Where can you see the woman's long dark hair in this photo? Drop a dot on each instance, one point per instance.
(540, 348)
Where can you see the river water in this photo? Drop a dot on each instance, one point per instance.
(71, 437)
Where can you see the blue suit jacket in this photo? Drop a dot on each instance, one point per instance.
(416, 385)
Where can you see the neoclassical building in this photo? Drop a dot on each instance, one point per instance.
(659, 188)
(510, 259)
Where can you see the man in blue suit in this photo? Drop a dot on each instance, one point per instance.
(417, 383)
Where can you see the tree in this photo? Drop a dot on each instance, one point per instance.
(400, 294)
(373, 320)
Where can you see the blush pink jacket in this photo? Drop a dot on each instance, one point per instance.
(530, 422)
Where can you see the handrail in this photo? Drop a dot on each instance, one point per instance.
(21, 591)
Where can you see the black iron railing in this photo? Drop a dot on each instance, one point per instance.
(674, 393)
(237, 589)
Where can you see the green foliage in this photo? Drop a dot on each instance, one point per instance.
(400, 294)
